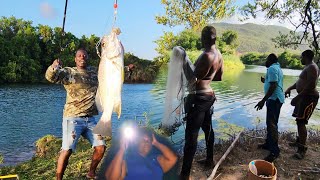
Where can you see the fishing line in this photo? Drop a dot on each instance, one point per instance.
(115, 13)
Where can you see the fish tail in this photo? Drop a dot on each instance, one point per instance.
(103, 128)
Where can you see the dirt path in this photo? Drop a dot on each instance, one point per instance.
(235, 166)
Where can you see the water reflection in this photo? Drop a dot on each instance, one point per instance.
(237, 95)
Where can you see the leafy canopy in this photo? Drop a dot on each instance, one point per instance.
(194, 14)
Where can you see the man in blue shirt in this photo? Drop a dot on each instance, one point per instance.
(274, 98)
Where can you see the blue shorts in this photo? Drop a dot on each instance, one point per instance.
(74, 127)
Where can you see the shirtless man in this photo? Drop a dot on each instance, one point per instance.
(208, 67)
(306, 100)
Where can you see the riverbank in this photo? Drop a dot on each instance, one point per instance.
(235, 166)
(42, 165)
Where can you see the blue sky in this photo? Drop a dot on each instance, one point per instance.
(136, 19)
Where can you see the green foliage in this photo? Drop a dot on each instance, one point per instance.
(144, 71)
(165, 42)
(230, 38)
(289, 60)
(194, 14)
(190, 41)
(27, 51)
(254, 58)
(286, 59)
(302, 15)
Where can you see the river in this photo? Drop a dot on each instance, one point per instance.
(29, 112)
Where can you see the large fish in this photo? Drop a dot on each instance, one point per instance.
(110, 77)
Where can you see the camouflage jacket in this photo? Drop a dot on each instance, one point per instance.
(81, 87)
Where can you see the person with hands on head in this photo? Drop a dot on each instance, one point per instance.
(81, 84)
(140, 162)
(306, 100)
(274, 98)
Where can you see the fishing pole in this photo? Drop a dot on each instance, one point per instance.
(64, 17)
(63, 33)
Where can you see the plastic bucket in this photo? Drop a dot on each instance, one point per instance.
(263, 168)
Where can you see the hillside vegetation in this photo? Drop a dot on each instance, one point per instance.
(255, 37)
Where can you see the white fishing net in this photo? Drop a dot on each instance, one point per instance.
(179, 70)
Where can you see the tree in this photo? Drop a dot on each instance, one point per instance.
(306, 11)
(189, 40)
(230, 38)
(194, 14)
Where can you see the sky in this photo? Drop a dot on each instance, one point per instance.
(136, 19)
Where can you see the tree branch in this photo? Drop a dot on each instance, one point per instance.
(191, 6)
(309, 15)
(270, 9)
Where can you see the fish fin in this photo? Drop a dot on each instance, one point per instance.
(98, 101)
(103, 128)
(117, 109)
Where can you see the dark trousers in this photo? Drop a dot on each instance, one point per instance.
(198, 116)
(273, 112)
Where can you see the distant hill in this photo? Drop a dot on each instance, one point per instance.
(254, 37)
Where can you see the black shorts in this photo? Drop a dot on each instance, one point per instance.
(304, 107)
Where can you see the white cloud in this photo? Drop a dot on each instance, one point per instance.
(47, 10)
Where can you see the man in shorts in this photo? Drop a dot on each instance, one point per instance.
(81, 84)
(306, 100)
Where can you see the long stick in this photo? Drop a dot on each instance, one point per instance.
(223, 157)
(63, 24)
(64, 15)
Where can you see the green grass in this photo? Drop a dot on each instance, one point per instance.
(43, 165)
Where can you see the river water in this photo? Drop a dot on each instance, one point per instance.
(29, 112)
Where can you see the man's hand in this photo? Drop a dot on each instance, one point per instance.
(260, 105)
(123, 144)
(262, 79)
(287, 93)
(154, 140)
(56, 64)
